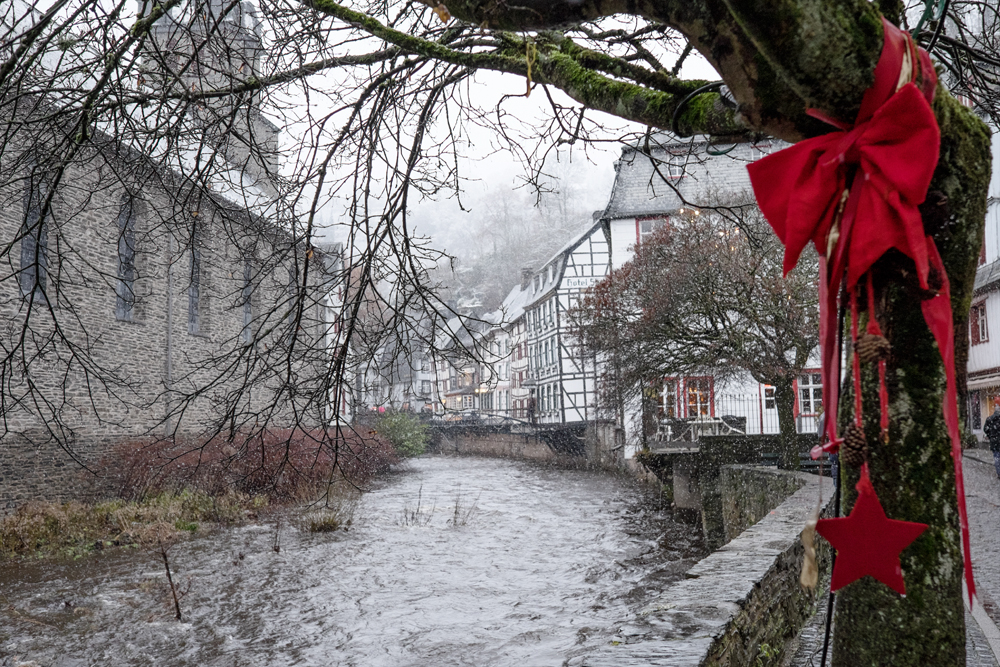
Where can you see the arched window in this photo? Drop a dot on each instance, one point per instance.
(246, 296)
(34, 238)
(125, 289)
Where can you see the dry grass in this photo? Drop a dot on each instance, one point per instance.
(75, 529)
(331, 510)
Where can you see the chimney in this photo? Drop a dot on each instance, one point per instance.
(526, 275)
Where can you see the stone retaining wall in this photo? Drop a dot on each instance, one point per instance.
(43, 470)
(736, 604)
(592, 444)
(748, 493)
(506, 445)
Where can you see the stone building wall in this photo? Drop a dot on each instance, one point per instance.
(78, 378)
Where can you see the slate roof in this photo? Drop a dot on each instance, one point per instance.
(646, 187)
(639, 190)
(987, 277)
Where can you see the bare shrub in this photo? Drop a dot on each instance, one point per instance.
(283, 465)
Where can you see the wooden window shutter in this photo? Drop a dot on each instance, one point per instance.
(974, 324)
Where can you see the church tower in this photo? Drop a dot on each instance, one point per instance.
(212, 49)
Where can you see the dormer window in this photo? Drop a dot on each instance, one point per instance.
(757, 151)
(647, 226)
(675, 165)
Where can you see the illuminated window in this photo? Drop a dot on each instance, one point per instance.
(699, 397)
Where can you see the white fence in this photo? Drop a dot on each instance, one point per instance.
(760, 413)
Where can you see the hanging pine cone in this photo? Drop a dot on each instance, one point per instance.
(872, 348)
(854, 450)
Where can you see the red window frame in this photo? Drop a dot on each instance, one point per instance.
(680, 397)
(978, 325)
(688, 385)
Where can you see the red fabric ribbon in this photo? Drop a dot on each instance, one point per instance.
(871, 177)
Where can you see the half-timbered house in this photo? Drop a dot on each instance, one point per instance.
(562, 378)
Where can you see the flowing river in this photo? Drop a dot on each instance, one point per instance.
(451, 561)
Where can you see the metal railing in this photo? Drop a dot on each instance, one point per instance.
(733, 413)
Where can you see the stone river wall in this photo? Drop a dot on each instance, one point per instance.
(472, 442)
(739, 605)
(748, 493)
(593, 444)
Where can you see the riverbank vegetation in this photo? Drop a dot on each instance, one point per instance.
(73, 529)
(161, 490)
(404, 431)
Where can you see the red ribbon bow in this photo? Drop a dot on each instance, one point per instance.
(871, 177)
(891, 157)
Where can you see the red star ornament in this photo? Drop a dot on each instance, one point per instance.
(867, 542)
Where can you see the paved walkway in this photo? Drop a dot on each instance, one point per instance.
(982, 493)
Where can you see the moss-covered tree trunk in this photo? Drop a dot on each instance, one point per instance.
(784, 398)
(913, 473)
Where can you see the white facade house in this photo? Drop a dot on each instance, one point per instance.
(502, 392)
(677, 179)
(984, 317)
(530, 366)
(513, 309)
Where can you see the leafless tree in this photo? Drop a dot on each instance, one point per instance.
(377, 101)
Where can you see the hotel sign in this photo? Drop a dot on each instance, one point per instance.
(580, 283)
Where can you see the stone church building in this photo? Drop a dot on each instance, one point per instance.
(147, 291)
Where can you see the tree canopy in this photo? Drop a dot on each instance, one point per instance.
(705, 294)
